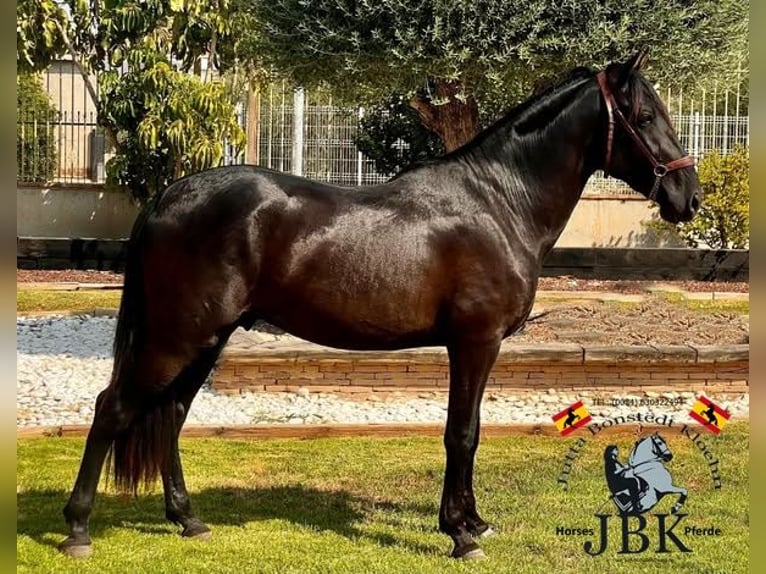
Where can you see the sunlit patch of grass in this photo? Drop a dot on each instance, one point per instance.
(40, 300)
(370, 505)
(710, 305)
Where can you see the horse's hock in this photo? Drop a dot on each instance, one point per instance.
(288, 366)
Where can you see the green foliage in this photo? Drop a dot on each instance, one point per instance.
(36, 158)
(393, 137)
(724, 218)
(166, 124)
(723, 221)
(496, 49)
(163, 121)
(39, 40)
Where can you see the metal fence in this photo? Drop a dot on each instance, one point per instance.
(307, 134)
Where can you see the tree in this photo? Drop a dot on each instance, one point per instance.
(39, 38)
(452, 58)
(163, 121)
(392, 137)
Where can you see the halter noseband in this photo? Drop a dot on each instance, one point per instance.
(660, 169)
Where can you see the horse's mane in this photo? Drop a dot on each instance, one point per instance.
(539, 110)
(533, 113)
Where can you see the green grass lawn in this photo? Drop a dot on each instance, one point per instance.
(40, 300)
(369, 506)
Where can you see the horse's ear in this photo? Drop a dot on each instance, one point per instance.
(619, 73)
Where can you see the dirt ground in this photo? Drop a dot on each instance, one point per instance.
(655, 320)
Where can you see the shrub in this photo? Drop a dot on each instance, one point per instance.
(36, 153)
(723, 221)
(393, 137)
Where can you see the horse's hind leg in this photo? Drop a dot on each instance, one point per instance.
(111, 417)
(470, 364)
(177, 504)
(134, 417)
(681, 499)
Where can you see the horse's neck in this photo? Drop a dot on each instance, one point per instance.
(640, 453)
(537, 178)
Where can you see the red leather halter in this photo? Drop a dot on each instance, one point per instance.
(660, 169)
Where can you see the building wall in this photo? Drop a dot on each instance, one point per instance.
(91, 211)
(612, 221)
(73, 210)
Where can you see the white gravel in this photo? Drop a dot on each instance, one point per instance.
(63, 363)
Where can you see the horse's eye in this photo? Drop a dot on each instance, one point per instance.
(644, 120)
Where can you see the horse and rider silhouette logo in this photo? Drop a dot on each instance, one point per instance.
(636, 487)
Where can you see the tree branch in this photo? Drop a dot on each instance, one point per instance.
(79, 64)
(211, 54)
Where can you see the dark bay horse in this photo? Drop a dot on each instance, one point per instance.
(446, 253)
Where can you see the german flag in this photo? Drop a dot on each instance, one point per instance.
(709, 414)
(571, 418)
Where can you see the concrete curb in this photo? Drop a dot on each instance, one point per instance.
(542, 353)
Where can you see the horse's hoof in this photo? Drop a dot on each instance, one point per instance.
(475, 554)
(197, 533)
(468, 552)
(75, 550)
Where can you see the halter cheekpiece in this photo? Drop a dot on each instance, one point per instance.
(660, 169)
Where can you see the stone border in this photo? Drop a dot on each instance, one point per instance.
(288, 366)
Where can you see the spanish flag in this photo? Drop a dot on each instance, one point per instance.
(709, 414)
(571, 418)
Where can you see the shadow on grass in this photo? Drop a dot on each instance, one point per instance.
(40, 512)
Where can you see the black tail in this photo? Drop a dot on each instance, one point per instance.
(139, 452)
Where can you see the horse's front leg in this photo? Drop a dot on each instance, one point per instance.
(470, 364)
(476, 525)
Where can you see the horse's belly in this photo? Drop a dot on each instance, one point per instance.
(347, 318)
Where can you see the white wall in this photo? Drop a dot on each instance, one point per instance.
(89, 211)
(612, 221)
(73, 210)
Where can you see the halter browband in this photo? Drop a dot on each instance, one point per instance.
(612, 109)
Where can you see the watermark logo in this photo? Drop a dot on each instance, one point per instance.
(635, 485)
(571, 418)
(709, 415)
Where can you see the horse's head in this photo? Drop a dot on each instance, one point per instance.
(642, 148)
(648, 448)
(660, 448)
